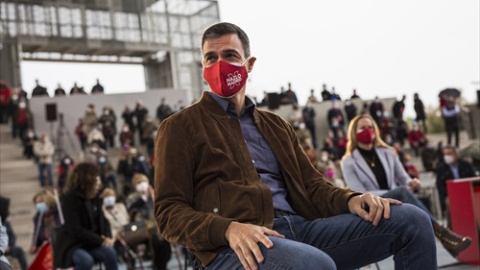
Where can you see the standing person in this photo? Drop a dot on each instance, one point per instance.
(140, 113)
(354, 95)
(335, 118)
(398, 108)
(308, 114)
(80, 132)
(370, 165)
(450, 113)
(97, 88)
(420, 111)
(75, 90)
(28, 142)
(325, 93)
(128, 116)
(125, 137)
(59, 92)
(376, 110)
(24, 119)
(350, 110)
(107, 120)
(163, 110)
(246, 195)
(85, 237)
(44, 150)
(39, 91)
(5, 98)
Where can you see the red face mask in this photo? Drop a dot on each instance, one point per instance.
(366, 136)
(225, 79)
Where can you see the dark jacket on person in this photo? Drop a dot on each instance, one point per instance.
(84, 226)
(444, 173)
(205, 178)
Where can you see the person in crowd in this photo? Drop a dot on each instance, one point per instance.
(23, 118)
(80, 133)
(421, 116)
(126, 136)
(335, 118)
(4, 263)
(59, 92)
(370, 165)
(12, 110)
(5, 99)
(398, 108)
(308, 115)
(149, 127)
(290, 95)
(39, 91)
(107, 173)
(376, 109)
(65, 166)
(295, 116)
(28, 143)
(325, 93)
(303, 134)
(107, 120)
(224, 147)
(94, 152)
(90, 119)
(312, 98)
(117, 215)
(44, 150)
(46, 219)
(350, 109)
(97, 88)
(409, 167)
(330, 148)
(77, 90)
(401, 130)
(128, 116)
(85, 237)
(10, 249)
(386, 125)
(341, 143)
(179, 106)
(354, 95)
(131, 162)
(451, 168)
(335, 95)
(429, 158)
(140, 114)
(163, 110)
(331, 175)
(96, 136)
(140, 208)
(450, 113)
(417, 139)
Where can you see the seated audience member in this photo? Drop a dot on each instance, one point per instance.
(409, 167)
(28, 143)
(11, 249)
(4, 263)
(140, 208)
(80, 132)
(370, 165)
(125, 136)
(417, 139)
(130, 163)
(96, 136)
(85, 237)
(451, 168)
(233, 185)
(46, 219)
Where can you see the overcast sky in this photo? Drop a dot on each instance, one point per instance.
(384, 48)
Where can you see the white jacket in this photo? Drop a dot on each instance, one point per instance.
(44, 151)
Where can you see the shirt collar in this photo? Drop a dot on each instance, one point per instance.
(229, 108)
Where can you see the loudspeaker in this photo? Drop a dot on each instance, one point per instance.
(51, 112)
(273, 101)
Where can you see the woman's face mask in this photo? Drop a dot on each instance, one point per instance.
(109, 201)
(41, 207)
(142, 187)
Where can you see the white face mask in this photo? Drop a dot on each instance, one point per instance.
(109, 201)
(142, 187)
(448, 159)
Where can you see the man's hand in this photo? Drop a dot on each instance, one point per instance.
(107, 242)
(371, 207)
(414, 185)
(244, 239)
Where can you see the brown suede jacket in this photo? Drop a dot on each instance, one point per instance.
(205, 178)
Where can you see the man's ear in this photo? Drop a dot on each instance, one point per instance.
(251, 63)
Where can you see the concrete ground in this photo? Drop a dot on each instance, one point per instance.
(19, 182)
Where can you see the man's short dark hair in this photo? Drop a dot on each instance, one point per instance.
(224, 28)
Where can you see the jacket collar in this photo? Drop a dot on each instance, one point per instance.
(364, 167)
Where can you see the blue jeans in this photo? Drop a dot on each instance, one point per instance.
(41, 171)
(404, 195)
(84, 259)
(346, 242)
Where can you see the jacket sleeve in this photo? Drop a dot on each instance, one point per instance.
(401, 176)
(175, 169)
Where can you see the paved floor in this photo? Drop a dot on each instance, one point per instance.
(19, 181)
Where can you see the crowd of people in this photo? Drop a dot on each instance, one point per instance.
(97, 202)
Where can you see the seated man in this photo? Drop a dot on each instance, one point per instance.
(234, 186)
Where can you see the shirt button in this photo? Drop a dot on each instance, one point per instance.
(215, 210)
